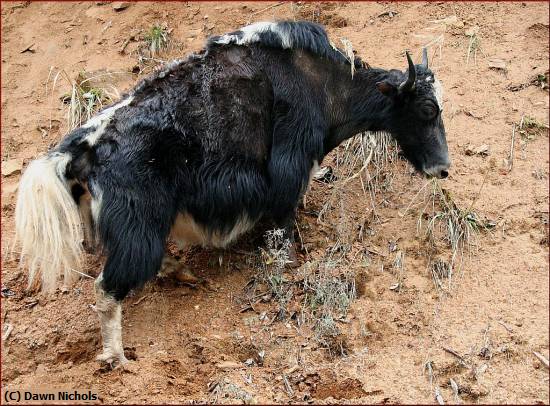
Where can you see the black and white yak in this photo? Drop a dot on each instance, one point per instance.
(203, 149)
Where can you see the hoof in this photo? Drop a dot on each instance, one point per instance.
(186, 276)
(292, 257)
(113, 360)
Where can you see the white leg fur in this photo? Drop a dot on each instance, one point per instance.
(110, 318)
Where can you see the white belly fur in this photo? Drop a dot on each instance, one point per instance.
(186, 232)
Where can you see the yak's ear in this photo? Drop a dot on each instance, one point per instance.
(386, 88)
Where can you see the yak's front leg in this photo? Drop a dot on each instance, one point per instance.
(298, 134)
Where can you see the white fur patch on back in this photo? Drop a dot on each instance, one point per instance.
(250, 34)
(101, 120)
(438, 92)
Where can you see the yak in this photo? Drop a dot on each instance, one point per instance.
(205, 148)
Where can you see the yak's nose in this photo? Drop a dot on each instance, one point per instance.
(439, 171)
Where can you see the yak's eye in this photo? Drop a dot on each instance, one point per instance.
(428, 110)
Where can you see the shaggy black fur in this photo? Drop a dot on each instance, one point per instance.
(233, 132)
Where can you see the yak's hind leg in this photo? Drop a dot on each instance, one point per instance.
(133, 232)
(109, 311)
(172, 268)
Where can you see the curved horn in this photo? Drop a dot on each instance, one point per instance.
(408, 85)
(425, 58)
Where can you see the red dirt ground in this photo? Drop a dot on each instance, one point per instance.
(190, 343)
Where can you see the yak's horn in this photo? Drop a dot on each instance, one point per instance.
(408, 85)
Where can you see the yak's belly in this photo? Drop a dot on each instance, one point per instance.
(187, 232)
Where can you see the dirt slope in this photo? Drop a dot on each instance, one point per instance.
(191, 343)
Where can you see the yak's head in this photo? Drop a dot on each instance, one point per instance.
(415, 116)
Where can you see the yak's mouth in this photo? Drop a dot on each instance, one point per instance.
(440, 171)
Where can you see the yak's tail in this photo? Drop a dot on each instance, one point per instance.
(47, 221)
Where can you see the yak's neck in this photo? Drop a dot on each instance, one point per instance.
(357, 106)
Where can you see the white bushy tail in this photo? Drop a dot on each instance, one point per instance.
(47, 222)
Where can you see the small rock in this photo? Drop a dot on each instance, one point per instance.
(193, 33)
(120, 5)
(8, 191)
(458, 24)
(496, 63)
(12, 166)
(482, 150)
(452, 21)
(29, 48)
(471, 31)
(388, 13)
(7, 292)
(228, 365)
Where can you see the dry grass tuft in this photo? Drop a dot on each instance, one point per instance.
(445, 222)
(157, 48)
(441, 271)
(89, 93)
(371, 158)
(530, 128)
(474, 46)
(157, 39)
(273, 261)
(329, 292)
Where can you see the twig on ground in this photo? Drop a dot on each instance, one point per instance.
(511, 156)
(9, 329)
(124, 45)
(438, 396)
(455, 388)
(428, 369)
(267, 8)
(456, 354)
(288, 388)
(141, 299)
(542, 359)
(508, 328)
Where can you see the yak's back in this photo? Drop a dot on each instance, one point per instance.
(290, 35)
(218, 103)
